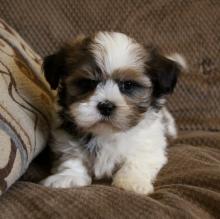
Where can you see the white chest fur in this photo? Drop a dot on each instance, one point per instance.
(141, 153)
(141, 142)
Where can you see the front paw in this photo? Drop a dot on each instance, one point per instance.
(133, 183)
(66, 181)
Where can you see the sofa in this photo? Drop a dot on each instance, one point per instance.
(189, 184)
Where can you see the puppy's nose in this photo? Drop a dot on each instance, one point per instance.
(106, 107)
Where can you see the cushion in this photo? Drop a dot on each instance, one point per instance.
(187, 187)
(188, 27)
(25, 106)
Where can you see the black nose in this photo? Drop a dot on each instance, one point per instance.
(106, 108)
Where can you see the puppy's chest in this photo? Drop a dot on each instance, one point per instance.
(108, 147)
(106, 154)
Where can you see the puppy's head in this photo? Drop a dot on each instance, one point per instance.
(108, 82)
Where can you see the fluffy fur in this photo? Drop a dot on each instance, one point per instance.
(112, 116)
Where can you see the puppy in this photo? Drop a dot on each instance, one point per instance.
(111, 94)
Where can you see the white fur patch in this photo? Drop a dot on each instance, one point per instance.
(86, 113)
(113, 51)
(179, 59)
(170, 125)
(143, 146)
(70, 173)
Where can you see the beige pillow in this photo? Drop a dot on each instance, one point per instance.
(25, 106)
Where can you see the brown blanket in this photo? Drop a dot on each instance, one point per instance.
(189, 185)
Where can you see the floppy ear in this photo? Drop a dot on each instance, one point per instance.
(54, 68)
(163, 73)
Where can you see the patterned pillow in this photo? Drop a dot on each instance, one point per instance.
(25, 106)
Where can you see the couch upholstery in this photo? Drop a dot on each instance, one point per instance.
(189, 185)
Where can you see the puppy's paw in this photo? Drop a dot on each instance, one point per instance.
(66, 181)
(133, 183)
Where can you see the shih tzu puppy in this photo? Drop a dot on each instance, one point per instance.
(111, 94)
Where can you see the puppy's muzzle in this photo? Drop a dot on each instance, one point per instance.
(106, 108)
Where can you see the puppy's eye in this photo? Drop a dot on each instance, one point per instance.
(86, 85)
(128, 86)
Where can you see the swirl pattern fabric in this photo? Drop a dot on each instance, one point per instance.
(25, 106)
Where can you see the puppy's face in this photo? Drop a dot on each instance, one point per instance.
(107, 82)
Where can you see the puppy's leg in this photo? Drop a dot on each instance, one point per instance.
(70, 173)
(138, 174)
(169, 124)
(69, 170)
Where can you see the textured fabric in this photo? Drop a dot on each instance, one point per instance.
(25, 106)
(187, 187)
(190, 27)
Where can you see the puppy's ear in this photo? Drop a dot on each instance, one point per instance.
(57, 66)
(54, 68)
(163, 72)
